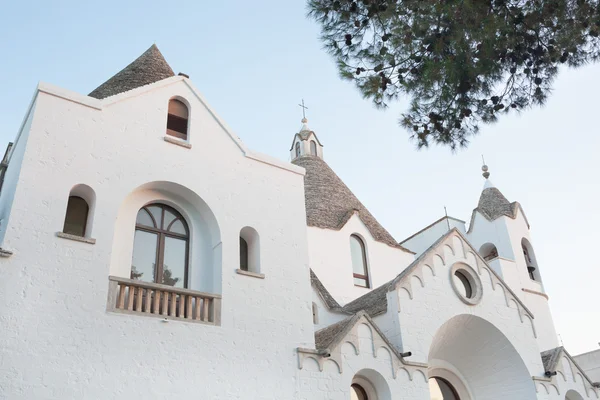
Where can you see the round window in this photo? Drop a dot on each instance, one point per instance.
(466, 283)
(462, 284)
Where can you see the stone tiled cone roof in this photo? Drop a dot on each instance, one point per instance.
(330, 204)
(373, 303)
(550, 358)
(326, 336)
(328, 299)
(493, 204)
(148, 68)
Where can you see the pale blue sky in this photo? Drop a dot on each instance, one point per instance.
(254, 61)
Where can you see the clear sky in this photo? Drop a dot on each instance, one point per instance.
(255, 60)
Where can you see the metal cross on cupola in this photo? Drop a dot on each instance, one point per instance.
(304, 108)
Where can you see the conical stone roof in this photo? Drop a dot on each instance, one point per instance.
(148, 68)
(493, 204)
(330, 204)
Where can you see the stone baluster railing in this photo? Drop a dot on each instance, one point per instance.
(136, 297)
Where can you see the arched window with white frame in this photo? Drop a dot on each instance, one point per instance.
(358, 253)
(297, 149)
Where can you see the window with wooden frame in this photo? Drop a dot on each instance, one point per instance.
(359, 262)
(177, 119)
(161, 246)
(76, 216)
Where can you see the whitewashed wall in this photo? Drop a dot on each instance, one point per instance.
(58, 340)
(329, 256)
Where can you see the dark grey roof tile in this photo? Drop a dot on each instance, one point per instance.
(330, 203)
(148, 68)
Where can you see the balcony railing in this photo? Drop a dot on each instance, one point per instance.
(144, 298)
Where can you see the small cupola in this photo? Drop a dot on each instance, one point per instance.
(306, 143)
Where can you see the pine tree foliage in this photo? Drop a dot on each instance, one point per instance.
(462, 63)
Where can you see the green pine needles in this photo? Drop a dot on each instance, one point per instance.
(461, 62)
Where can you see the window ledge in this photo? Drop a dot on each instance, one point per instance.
(75, 238)
(5, 253)
(252, 274)
(178, 142)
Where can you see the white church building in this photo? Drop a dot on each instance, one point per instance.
(147, 253)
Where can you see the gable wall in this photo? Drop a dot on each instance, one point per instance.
(421, 242)
(55, 290)
(432, 301)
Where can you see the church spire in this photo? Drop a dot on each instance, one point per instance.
(305, 143)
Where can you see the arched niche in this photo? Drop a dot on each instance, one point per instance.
(88, 195)
(488, 251)
(530, 260)
(473, 355)
(249, 250)
(205, 254)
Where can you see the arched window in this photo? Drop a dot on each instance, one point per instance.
(441, 389)
(313, 148)
(530, 260)
(76, 217)
(357, 392)
(79, 217)
(297, 149)
(315, 312)
(249, 250)
(359, 261)
(161, 246)
(243, 254)
(488, 251)
(177, 119)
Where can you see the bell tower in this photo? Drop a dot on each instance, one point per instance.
(499, 230)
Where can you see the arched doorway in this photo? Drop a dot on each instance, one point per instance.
(369, 384)
(468, 358)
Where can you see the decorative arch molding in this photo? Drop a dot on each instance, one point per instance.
(205, 236)
(438, 256)
(569, 376)
(349, 333)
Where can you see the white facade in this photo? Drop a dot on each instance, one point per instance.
(73, 329)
